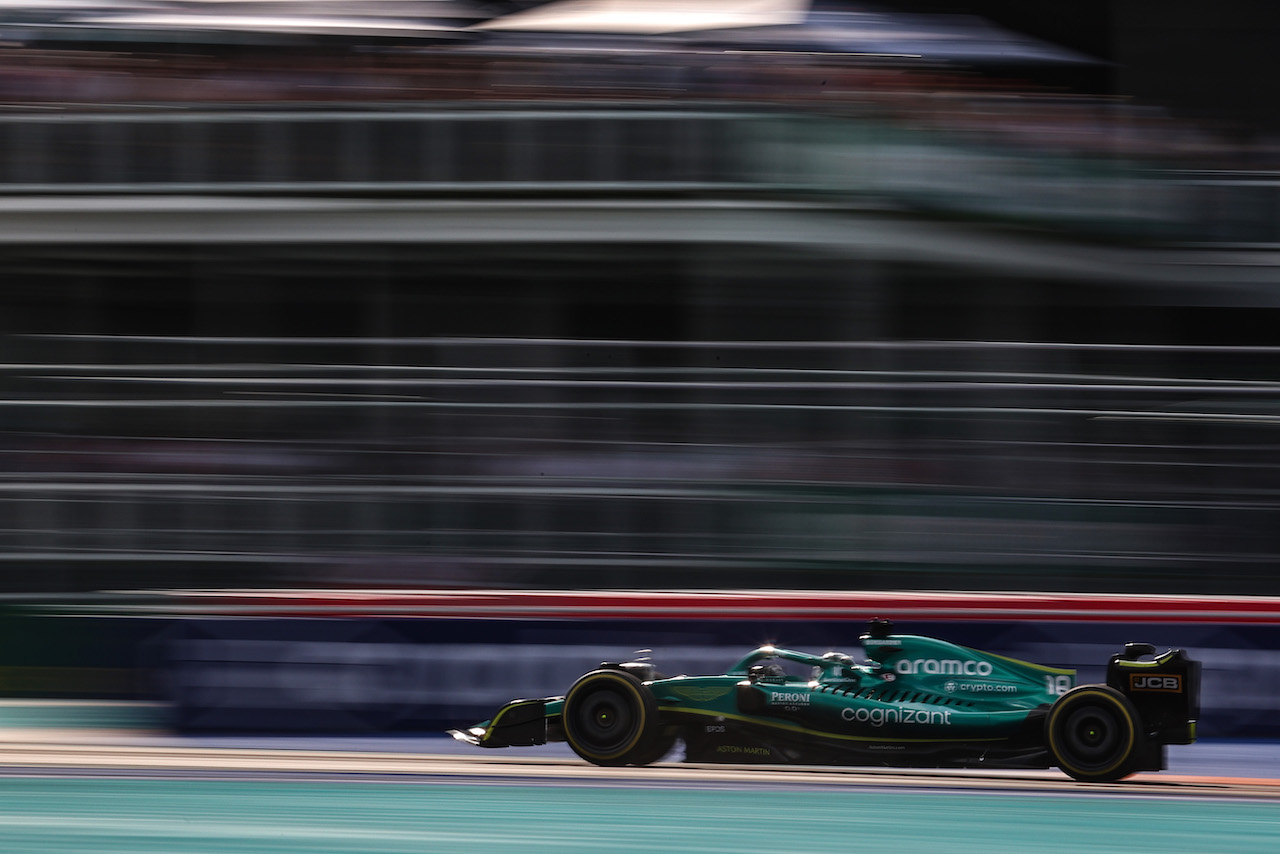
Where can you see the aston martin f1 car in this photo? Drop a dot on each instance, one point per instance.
(915, 702)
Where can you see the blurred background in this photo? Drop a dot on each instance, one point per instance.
(658, 293)
(652, 294)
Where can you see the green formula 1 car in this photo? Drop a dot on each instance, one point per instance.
(915, 703)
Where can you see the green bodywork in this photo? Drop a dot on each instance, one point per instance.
(914, 702)
(920, 689)
(911, 689)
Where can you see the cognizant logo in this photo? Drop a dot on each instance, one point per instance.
(880, 717)
(945, 666)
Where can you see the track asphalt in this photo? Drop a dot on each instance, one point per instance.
(63, 810)
(142, 724)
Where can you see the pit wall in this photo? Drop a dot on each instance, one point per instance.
(347, 664)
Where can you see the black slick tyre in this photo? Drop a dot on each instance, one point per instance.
(657, 749)
(1094, 734)
(610, 718)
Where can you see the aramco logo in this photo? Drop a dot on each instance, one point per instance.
(943, 667)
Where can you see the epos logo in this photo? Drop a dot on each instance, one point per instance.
(1145, 682)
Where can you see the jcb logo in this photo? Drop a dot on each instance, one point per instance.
(1144, 682)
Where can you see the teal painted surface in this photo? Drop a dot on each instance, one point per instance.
(289, 817)
(24, 714)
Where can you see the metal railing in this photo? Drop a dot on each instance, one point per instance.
(705, 463)
(349, 150)
(580, 149)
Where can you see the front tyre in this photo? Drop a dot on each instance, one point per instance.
(610, 718)
(1094, 734)
(656, 750)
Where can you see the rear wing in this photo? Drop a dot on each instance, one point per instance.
(1165, 689)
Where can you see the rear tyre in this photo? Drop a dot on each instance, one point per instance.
(610, 718)
(1094, 734)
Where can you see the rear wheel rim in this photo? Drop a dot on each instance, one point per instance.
(1092, 737)
(1093, 734)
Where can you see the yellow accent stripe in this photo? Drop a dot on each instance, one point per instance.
(822, 733)
(1061, 671)
(498, 717)
(489, 726)
(1127, 664)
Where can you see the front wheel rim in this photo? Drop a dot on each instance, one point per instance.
(605, 722)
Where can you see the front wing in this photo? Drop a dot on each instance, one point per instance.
(520, 723)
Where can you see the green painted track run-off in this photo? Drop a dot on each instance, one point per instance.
(141, 815)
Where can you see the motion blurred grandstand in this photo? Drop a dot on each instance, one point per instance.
(622, 295)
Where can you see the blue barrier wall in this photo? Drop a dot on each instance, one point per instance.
(377, 675)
